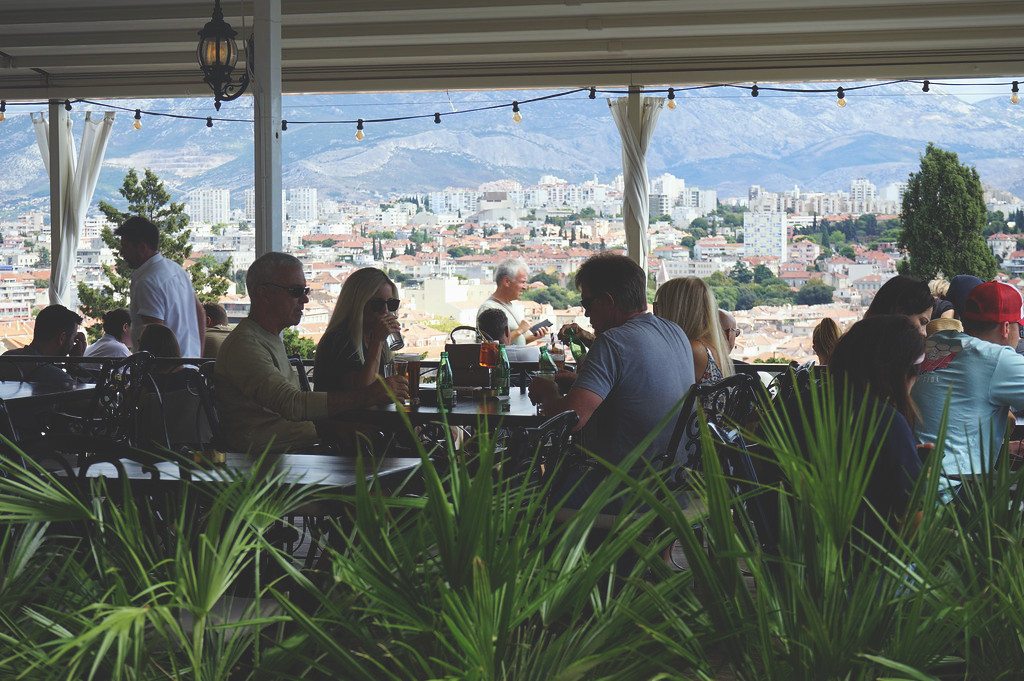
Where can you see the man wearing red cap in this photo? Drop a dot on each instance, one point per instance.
(982, 376)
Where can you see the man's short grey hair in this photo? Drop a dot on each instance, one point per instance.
(264, 268)
(510, 268)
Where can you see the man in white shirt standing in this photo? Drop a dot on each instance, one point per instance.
(511, 278)
(161, 292)
(117, 335)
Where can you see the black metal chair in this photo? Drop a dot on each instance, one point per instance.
(546, 447)
(728, 403)
(300, 369)
(113, 417)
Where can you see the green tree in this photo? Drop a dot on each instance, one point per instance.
(545, 278)
(944, 219)
(459, 251)
(149, 198)
(294, 344)
(762, 274)
(556, 296)
(814, 292)
(44, 257)
(740, 273)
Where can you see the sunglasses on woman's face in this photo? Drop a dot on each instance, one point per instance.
(378, 304)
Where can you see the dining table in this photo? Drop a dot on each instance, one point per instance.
(20, 401)
(475, 408)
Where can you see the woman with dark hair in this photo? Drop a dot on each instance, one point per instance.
(871, 373)
(906, 296)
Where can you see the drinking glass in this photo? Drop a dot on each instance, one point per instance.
(489, 359)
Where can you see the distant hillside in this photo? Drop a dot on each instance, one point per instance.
(718, 139)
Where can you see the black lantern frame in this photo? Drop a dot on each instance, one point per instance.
(217, 54)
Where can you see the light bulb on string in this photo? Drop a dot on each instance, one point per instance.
(593, 93)
(138, 120)
(437, 118)
(671, 98)
(284, 125)
(516, 116)
(209, 122)
(841, 102)
(67, 105)
(359, 130)
(753, 91)
(924, 86)
(1015, 90)
(3, 108)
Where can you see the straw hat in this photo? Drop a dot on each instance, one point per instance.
(944, 324)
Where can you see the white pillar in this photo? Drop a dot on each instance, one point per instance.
(266, 91)
(636, 233)
(59, 180)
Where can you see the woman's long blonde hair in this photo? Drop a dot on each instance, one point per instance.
(357, 290)
(690, 303)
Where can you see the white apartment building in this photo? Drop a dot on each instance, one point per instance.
(208, 205)
(302, 204)
(764, 233)
(862, 196)
(454, 200)
(249, 197)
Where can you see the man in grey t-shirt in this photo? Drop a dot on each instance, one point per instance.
(637, 371)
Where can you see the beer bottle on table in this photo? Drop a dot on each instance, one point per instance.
(546, 363)
(503, 377)
(576, 346)
(445, 383)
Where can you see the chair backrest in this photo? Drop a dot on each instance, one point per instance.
(727, 403)
(546, 444)
(172, 413)
(300, 369)
(118, 394)
(206, 388)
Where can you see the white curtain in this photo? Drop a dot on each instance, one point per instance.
(79, 173)
(636, 209)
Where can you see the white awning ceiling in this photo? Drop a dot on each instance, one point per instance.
(146, 48)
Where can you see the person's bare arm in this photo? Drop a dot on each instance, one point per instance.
(582, 335)
(523, 328)
(579, 400)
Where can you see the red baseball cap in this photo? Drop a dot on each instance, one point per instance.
(994, 302)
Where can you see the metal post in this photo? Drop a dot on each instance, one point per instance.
(267, 127)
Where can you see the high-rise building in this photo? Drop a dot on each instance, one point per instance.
(764, 233)
(208, 205)
(302, 204)
(862, 196)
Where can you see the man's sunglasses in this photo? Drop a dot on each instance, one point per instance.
(378, 304)
(296, 291)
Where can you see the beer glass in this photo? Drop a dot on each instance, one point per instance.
(412, 372)
(489, 359)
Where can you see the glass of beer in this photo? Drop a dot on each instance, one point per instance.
(412, 372)
(489, 359)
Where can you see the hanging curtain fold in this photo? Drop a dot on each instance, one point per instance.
(636, 184)
(80, 170)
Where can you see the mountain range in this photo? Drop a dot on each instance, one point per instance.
(718, 138)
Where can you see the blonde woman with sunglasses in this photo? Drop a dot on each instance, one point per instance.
(691, 304)
(353, 351)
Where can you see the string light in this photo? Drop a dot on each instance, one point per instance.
(1015, 97)
(924, 87)
(841, 102)
(67, 105)
(593, 93)
(437, 118)
(359, 130)
(671, 98)
(753, 91)
(516, 116)
(138, 119)
(284, 125)
(209, 122)
(3, 108)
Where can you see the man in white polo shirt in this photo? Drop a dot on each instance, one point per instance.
(982, 376)
(161, 292)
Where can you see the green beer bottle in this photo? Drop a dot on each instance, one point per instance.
(546, 363)
(445, 383)
(503, 377)
(576, 346)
